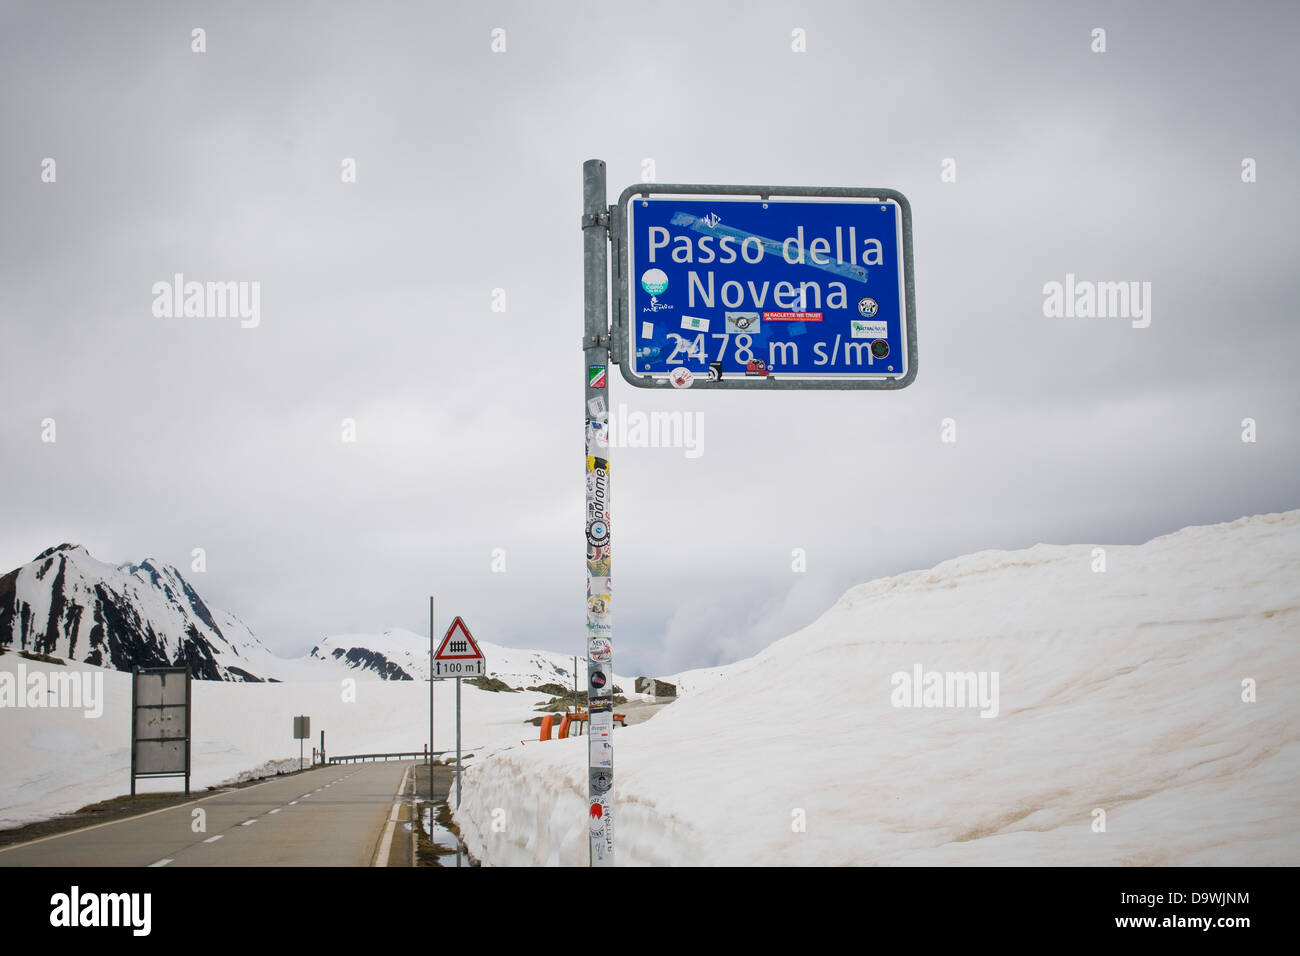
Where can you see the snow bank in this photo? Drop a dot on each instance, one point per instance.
(56, 760)
(1119, 691)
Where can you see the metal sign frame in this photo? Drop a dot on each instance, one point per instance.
(136, 707)
(623, 288)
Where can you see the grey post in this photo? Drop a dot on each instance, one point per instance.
(189, 715)
(457, 743)
(135, 680)
(430, 695)
(596, 352)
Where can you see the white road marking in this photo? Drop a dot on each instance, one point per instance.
(248, 823)
(214, 839)
(293, 802)
(386, 842)
(161, 862)
(276, 810)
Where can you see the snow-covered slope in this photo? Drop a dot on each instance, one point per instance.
(1125, 729)
(54, 760)
(701, 678)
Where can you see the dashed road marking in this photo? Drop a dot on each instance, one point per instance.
(214, 839)
(97, 826)
(163, 862)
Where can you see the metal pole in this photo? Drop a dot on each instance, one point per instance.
(135, 681)
(457, 743)
(189, 714)
(596, 375)
(575, 684)
(430, 696)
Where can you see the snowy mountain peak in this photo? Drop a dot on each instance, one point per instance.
(68, 604)
(65, 547)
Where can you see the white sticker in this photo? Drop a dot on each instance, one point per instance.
(647, 330)
(598, 409)
(860, 329)
(693, 324)
(681, 377)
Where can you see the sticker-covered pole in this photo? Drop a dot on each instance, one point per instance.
(431, 640)
(600, 653)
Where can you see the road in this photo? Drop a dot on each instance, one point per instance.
(329, 816)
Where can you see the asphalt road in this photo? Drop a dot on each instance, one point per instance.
(330, 816)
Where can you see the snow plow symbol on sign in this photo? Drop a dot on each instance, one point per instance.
(458, 655)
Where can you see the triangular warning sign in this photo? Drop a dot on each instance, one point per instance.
(458, 644)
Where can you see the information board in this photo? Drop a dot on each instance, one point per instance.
(786, 288)
(160, 723)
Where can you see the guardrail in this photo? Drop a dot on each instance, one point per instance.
(404, 755)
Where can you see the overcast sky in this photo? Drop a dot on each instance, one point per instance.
(174, 434)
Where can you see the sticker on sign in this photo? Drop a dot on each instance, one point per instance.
(459, 654)
(812, 286)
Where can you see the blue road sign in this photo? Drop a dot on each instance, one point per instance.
(770, 291)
